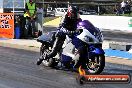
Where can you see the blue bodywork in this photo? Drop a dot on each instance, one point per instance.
(96, 50)
(88, 25)
(65, 58)
(93, 49)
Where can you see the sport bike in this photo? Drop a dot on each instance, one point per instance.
(84, 49)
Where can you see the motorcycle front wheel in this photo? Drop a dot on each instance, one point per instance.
(96, 64)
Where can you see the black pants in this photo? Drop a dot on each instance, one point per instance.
(60, 38)
(30, 29)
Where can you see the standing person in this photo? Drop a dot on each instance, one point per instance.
(118, 9)
(123, 6)
(30, 15)
(40, 19)
(70, 25)
(128, 7)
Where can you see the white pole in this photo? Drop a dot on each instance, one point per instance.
(98, 10)
(2, 6)
(24, 3)
(13, 6)
(68, 4)
(42, 18)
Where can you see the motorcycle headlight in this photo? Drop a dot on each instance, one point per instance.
(88, 39)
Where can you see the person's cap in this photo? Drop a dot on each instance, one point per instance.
(30, 0)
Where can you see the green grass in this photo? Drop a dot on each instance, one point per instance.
(47, 19)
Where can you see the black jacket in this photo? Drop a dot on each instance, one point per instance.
(70, 24)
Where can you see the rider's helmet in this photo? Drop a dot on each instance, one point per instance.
(73, 12)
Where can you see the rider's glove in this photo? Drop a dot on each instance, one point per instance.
(64, 30)
(73, 32)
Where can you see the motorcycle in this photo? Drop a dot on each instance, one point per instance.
(83, 49)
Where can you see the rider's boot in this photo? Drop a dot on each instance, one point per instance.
(39, 61)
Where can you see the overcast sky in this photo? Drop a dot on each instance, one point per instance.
(1, 3)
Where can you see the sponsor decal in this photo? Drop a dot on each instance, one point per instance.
(115, 78)
(130, 23)
(6, 25)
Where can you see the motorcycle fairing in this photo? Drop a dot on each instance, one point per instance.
(90, 33)
(65, 58)
(89, 26)
(47, 37)
(77, 42)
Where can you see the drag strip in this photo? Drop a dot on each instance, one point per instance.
(18, 70)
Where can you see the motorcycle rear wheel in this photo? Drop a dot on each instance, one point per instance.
(44, 50)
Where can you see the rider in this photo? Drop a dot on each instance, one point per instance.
(70, 25)
(30, 15)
